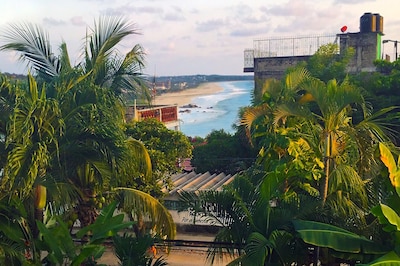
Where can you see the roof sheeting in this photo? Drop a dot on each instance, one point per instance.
(199, 182)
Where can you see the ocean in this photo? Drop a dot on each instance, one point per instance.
(216, 111)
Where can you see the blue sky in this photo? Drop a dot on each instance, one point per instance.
(184, 37)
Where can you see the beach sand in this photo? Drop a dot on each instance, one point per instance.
(186, 96)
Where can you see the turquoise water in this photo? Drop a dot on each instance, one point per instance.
(217, 111)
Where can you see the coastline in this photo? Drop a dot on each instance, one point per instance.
(187, 95)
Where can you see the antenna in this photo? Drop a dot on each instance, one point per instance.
(154, 91)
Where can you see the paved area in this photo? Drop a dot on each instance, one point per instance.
(178, 256)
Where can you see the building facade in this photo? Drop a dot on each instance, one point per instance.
(270, 58)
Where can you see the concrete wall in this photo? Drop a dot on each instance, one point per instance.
(274, 67)
(366, 45)
(367, 49)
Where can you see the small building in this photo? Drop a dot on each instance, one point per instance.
(270, 58)
(192, 182)
(167, 114)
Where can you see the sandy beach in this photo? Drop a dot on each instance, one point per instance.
(186, 96)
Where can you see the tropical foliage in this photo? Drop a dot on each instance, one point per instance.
(222, 152)
(329, 63)
(326, 129)
(64, 149)
(165, 147)
(317, 192)
(309, 194)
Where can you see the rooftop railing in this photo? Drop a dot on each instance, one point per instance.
(286, 46)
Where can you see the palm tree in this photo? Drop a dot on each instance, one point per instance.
(324, 117)
(254, 214)
(327, 129)
(101, 63)
(94, 154)
(33, 128)
(32, 135)
(7, 103)
(106, 68)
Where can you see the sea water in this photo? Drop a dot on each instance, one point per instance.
(216, 111)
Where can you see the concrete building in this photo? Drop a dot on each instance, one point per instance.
(270, 58)
(167, 114)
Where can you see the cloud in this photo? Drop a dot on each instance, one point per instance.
(174, 17)
(246, 32)
(53, 22)
(148, 10)
(77, 21)
(129, 10)
(246, 14)
(209, 25)
(353, 1)
(292, 8)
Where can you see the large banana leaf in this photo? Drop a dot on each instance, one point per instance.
(393, 168)
(338, 239)
(390, 259)
(387, 217)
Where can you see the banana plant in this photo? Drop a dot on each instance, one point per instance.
(339, 240)
(55, 238)
(387, 215)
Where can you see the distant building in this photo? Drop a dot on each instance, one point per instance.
(270, 58)
(167, 114)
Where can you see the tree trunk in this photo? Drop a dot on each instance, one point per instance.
(328, 162)
(86, 210)
(328, 167)
(87, 213)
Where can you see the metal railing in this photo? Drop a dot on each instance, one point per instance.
(287, 46)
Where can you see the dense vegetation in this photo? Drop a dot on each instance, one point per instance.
(65, 153)
(317, 181)
(325, 185)
(222, 152)
(165, 147)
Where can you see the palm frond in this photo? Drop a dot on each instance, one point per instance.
(106, 34)
(345, 177)
(380, 124)
(284, 111)
(258, 248)
(296, 77)
(136, 201)
(271, 90)
(33, 44)
(140, 157)
(250, 115)
(64, 58)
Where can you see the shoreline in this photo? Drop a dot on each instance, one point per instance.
(186, 96)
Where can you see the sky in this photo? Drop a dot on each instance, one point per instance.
(190, 37)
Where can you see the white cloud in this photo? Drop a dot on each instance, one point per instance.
(196, 37)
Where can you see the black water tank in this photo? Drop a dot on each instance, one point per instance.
(379, 23)
(367, 23)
